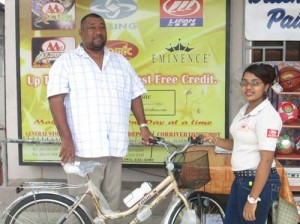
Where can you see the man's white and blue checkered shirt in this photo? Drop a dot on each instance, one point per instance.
(98, 102)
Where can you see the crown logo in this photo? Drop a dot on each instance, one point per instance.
(179, 47)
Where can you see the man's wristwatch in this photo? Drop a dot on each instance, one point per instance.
(252, 200)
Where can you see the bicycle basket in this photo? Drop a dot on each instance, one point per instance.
(192, 169)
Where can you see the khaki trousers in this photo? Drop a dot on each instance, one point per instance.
(107, 178)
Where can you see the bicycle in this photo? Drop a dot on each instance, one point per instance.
(44, 204)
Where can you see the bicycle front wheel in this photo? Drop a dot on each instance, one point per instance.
(206, 206)
(46, 208)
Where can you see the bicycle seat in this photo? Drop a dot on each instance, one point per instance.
(81, 168)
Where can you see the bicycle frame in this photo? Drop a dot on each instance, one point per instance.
(158, 193)
(165, 187)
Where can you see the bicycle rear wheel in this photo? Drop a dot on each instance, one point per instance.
(44, 208)
(206, 206)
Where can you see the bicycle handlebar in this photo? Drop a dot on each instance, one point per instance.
(161, 141)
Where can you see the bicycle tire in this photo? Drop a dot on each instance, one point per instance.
(45, 208)
(206, 206)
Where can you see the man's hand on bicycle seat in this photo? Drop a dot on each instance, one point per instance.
(67, 152)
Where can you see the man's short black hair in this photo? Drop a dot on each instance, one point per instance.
(94, 15)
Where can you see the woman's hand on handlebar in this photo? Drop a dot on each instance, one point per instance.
(209, 138)
(198, 140)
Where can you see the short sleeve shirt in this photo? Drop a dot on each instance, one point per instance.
(258, 130)
(97, 102)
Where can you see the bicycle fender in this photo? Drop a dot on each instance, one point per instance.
(173, 204)
(30, 194)
(14, 202)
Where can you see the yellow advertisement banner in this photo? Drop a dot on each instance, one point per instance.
(178, 48)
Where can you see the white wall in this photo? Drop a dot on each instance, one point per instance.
(29, 172)
(2, 77)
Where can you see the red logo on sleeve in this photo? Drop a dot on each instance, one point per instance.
(272, 133)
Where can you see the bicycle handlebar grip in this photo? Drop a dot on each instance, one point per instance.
(155, 140)
(198, 140)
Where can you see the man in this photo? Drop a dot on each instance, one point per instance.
(91, 92)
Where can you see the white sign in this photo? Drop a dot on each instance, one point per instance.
(272, 20)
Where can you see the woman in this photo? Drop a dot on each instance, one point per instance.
(255, 131)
